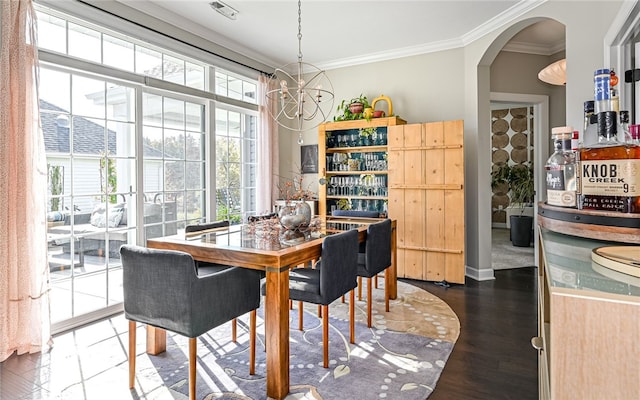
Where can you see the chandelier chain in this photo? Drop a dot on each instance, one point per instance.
(299, 30)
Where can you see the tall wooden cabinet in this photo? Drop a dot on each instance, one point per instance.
(352, 159)
(426, 196)
(414, 173)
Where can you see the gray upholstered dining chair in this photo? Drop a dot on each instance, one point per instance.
(206, 268)
(334, 276)
(162, 288)
(376, 258)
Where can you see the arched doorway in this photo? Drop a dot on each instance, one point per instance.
(526, 85)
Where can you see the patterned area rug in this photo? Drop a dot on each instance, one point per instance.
(401, 356)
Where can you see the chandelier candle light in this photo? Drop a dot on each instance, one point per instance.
(300, 104)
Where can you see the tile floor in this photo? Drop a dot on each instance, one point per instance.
(87, 363)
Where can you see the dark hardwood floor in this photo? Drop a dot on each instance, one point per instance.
(493, 358)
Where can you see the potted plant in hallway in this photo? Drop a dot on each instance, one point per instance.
(519, 178)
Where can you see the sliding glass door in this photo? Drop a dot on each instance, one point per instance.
(90, 141)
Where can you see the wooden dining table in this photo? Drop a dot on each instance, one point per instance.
(243, 246)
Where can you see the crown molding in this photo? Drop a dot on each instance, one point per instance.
(393, 54)
(501, 19)
(475, 34)
(535, 48)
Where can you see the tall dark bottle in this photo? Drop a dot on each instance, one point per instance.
(610, 170)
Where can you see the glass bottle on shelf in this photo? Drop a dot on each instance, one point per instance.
(609, 171)
(589, 129)
(561, 170)
(624, 135)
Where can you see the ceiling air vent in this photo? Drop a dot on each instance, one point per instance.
(224, 9)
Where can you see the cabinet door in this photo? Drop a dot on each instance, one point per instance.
(426, 196)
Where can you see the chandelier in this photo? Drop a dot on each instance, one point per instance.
(302, 101)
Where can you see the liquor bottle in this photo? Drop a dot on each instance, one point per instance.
(609, 171)
(624, 135)
(589, 130)
(561, 170)
(602, 90)
(634, 132)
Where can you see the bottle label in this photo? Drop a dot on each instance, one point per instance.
(610, 177)
(557, 195)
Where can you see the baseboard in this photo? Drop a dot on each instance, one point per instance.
(483, 274)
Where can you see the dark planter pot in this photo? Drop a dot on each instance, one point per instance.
(521, 226)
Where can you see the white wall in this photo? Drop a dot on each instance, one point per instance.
(455, 84)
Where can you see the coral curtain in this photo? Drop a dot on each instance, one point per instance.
(24, 272)
(268, 154)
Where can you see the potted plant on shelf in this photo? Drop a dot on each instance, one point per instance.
(352, 109)
(519, 179)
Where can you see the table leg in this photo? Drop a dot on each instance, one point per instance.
(391, 277)
(156, 340)
(277, 333)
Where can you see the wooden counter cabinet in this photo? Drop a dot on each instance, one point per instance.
(588, 323)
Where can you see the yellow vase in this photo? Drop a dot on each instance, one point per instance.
(367, 113)
(385, 98)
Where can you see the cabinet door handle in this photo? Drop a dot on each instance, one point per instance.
(537, 343)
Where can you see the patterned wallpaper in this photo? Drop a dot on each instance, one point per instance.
(512, 143)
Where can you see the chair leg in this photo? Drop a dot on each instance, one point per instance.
(252, 342)
(290, 304)
(319, 311)
(352, 315)
(234, 330)
(386, 291)
(193, 345)
(375, 281)
(325, 335)
(369, 302)
(359, 288)
(132, 354)
(343, 298)
(300, 316)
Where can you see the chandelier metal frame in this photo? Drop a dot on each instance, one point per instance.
(300, 104)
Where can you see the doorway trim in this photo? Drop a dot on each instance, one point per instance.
(540, 105)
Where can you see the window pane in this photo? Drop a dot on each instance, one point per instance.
(194, 117)
(235, 88)
(148, 62)
(235, 126)
(153, 178)
(56, 131)
(84, 43)
(174, 144)
(89, 136)
(194, 204)
(54, 90)
(221, 83)
(124, 139)
(88, 97)
(194, 175)
(249, 92)
(173, 69)
(194, 144)
(152, 142)
(118, 53)
(52, 33)
(86, 180)
(173, 113)
(174, 176)
(151, 110)
(195, 76)
(120, 103)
